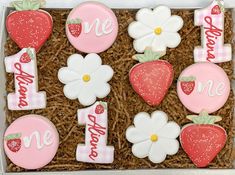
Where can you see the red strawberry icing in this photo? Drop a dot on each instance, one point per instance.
(29, 28)
(203, 140)
(151, 79)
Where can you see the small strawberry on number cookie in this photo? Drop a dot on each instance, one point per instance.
(28, 26)
(13, 142)
(203, 140)
(151, 78)
(75, 27)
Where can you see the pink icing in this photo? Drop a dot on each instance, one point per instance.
(39, 151)
(203, 96)
(95, 149)
(90, 13)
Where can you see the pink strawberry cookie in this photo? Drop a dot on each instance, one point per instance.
(203, 86)
(31, 141)
(91, 27)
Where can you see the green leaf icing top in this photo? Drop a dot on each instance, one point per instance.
(148, 55)
(30, 53)
(188, 79)
(74, 21)
(22, 5)
(204, 118)
(13, 136)
(221, 6)
(103, 104)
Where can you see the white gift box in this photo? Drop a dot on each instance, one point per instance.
(117, 4)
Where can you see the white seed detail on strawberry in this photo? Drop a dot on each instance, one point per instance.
(75, 27)
(13, 142)
(187, 84)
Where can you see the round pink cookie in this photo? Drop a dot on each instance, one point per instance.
(91, 27)
(31, 141)
(203, 86)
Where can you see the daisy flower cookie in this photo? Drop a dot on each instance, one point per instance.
(85, 78)
(156, 29)
(153, 137)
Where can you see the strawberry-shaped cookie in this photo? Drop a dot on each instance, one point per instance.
(151, 78)
(187, 84)
(28, 26)
(13, 142)
(203, 140)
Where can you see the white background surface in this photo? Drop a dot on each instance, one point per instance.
(113, 4)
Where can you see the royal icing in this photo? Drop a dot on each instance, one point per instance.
(29, 26)
(31, 141)
(203, 86)
(85, 78)
(95, 149)
(203, 140)
(26, 95)
(155, 28)
(211, 20)
(153, 137)
(151, 78)
(92, 32)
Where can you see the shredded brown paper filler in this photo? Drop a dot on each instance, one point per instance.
(123, 102)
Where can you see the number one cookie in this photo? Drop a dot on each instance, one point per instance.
(211, 20)
(95, 149)
(26, 95)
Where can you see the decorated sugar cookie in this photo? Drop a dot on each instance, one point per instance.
(156, 29)
(31, 141)
(26, 95)
(151, 78)
(203, 86)
(203, 139)
(85, 78)
(91, 27)
(153, 137)
(95, 149)
(28, 26)
(211, 20)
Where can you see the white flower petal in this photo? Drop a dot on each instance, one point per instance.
(153, 18)
(67, 75)
(170, 146)
(72, 89)
(75, 63)
(103, 74)
(170, 130)
(156, 153)
(91, 63)
(102, 90)
(158, 44)
(172, 40)
(141, 149)
(137, 30)
(87, 96)
(141, 43)
(144, 124)
(158, 120)
(173, 24)
(134, 135)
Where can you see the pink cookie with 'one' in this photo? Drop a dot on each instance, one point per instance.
(31, 141)
(203, 86)
(91, 27)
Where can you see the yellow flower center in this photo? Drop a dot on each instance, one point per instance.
(154, 138)
(86, 78)
(158, 30)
